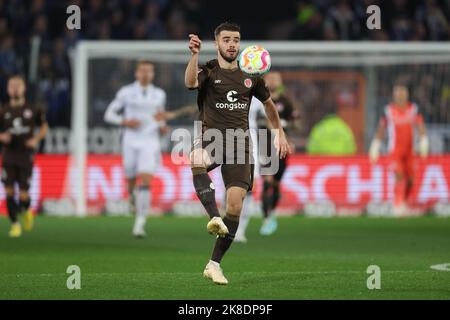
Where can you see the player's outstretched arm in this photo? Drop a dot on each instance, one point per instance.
(423, 142)
(281, 144)
(112, 115)
(34, 141)
(5, 136)
(169, 115)
(374, 151)
(191, 74)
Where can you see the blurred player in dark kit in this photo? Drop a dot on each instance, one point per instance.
(18, 121)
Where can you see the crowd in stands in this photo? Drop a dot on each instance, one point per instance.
(45, 20)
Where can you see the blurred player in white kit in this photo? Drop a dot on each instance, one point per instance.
(134, 108)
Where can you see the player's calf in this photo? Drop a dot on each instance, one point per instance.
(223, 243)
(24, 207)
(143, 199)
(205, 190)
(275, 195)
(12, 208)
(267, 198)
(409, 188)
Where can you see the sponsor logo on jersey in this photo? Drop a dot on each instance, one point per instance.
(217, 81)
(27, 114)
(233, 104)
(18, 128)
(230, 96)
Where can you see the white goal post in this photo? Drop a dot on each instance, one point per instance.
(284, 53)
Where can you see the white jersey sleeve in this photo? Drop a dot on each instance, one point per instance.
(112, 115)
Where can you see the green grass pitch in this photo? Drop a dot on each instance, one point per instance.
(308, 258)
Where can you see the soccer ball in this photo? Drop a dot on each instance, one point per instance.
(255, 60)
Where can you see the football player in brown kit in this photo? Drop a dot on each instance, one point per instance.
(18, 121)
(224, 96)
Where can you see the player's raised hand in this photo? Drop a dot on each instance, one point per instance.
(131, 123)
(5, 138)
(194, 43)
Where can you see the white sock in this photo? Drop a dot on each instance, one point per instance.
(245, 216)
(142, 203)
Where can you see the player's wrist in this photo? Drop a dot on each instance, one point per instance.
(376, 144)
(281, 133)
(424, 145)
(374, 150)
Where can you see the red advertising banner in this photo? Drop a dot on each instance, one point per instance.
(345, 181)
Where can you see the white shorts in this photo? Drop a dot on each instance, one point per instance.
(139, 159)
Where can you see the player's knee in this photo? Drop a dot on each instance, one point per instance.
(145, 180)
(198, 158)
(234, 207)
(9, 191)
(24, 195)
(195, 159)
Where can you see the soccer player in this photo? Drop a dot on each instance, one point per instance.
(400, 118)
(271, 187)
(18, 121)
(224, 96)
(134, 108)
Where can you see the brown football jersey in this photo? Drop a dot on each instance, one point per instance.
(224, 96)
(20, 122)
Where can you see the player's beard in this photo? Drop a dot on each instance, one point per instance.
(16, 97)
(227, 59)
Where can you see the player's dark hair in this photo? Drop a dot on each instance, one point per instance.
(226, 26)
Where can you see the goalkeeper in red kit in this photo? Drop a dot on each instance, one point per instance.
(401, 118)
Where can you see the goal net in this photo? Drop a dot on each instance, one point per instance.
(350, 80)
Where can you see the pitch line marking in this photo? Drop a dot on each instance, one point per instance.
(196, 273)
(441, 267)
